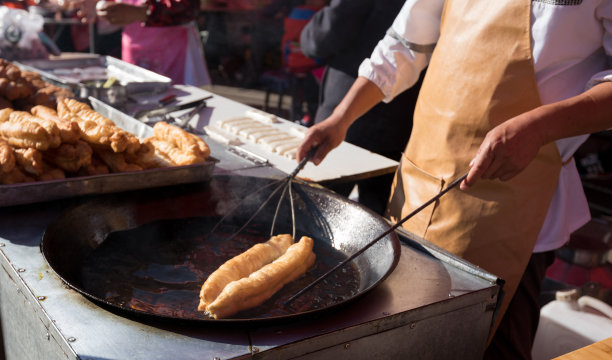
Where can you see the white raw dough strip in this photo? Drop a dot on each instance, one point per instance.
(219, 136)
(271, 141)
(262, 116)
(272, 144)
(281, 149)
(226, 122)
(236, 129)
(256, 135)
(273, 137)
(291, 154)
(249, 130)
(297, 131)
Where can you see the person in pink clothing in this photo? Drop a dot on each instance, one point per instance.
(160, 36)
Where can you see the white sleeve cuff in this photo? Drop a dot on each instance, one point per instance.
(600, 77)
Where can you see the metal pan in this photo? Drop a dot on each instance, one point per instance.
(149, 254)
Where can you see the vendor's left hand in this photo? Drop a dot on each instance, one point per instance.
(506, 150)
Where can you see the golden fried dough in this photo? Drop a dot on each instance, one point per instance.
(242, 266)
(98, 134)
(186, 142)
(115, 161)
(49, 126)
(70, 157)
(30, 161)
(96, 129)
(143, 156)
(92, 115)
(173, 154)
(14, 176)
(24, 130)
(69, 130)
(4, 114)
(9, 71)
(62, 109)
(66, 106)
(261, 285)
(97, 167)
(7, 159)
(51, 173)
(16, 89)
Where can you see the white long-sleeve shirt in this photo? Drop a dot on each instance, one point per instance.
(572, 49)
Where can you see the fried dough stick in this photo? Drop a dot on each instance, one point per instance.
(49, 126)
(51, 173)
(97, 167)
(67, 107)
(143, 157)
(70, 157)
(258, 287)
(29, 160)
(97, 134)
(4, 114)
(173, 154)
(92, 115)
(95, 128)
(24, 130)
(120, 140)
(14, 176)
(69, 130)
(115, 161)
(181, 139)
(7, 159)
(242, 266)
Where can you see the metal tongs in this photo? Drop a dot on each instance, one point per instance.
(284, 184)
(368, 245)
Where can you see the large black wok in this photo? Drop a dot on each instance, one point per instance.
(148, 253)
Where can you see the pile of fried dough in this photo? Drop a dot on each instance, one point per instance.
(23, 89)
(45, 134)
(75, 140)
(249, 279)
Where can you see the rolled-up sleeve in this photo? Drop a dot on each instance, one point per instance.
(399, 58)
(605, 15)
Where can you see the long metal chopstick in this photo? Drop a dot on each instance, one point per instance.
(367, 246)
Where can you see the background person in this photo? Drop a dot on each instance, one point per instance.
(342, 35)
(161, 37)
(510, 93)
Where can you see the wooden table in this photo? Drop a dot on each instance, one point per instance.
(601, 350)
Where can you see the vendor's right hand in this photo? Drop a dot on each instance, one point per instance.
(122, 14)
(325, 136)
(86, 10)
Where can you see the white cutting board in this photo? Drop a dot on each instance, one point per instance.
(345, 162)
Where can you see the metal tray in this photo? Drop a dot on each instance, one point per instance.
(27, 193)
(73, 72)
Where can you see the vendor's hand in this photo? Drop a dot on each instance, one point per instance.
(325, 136)
(85, 9)
(506, 150)
(122, 14)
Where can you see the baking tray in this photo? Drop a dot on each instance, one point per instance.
(75, 72)
(27, 193)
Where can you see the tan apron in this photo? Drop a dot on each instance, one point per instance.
(481, 74)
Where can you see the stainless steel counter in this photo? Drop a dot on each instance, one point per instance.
(432, 306)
